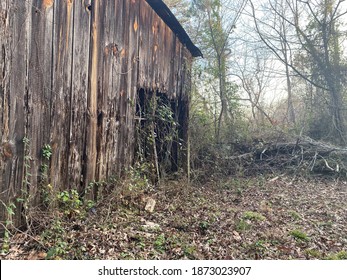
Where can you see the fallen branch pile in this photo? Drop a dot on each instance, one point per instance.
(302, 154)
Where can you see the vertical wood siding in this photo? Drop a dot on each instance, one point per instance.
(70, 71)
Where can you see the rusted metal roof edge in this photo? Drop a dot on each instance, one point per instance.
(168, 17)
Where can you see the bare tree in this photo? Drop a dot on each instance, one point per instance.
(218, 21)
(254, 71)
(309, 27)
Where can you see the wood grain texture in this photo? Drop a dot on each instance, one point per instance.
(70, 72)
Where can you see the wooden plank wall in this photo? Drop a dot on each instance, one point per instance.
(69, 74)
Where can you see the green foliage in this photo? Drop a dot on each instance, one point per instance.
(89, 204)
(189, 250)
(6, 242)
(313, 253)
(126, 256)
(10, 209)
(57, 236)
(245, 222)
(69, 207)
(299, 235)
(295, 215)
(242, 225)
(46, 188)
(322, 58)
(44, 170)
(156, 133)
(204, 226)
(159, 243)
(216, 20)
(342, 255)
(8, 223)
(69, 202)
(47, 151)
(47, 194)
(137, 177)
(259, 247)
(253, 216)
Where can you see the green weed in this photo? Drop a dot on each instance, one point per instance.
(242, 225)
(8, 223)
(313, 253)
(47, 151)
(295, 215)
(299, 235)
(70, 202)
(159, 243)
(55, 239)
(189, 251)
(204, 226)
(258, 247)
(253, 216)
(342, 255)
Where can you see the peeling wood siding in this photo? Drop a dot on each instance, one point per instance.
(69, 75)
(79, 92)
(14, 82)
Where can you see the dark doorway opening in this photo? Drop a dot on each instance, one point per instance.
(157, 131)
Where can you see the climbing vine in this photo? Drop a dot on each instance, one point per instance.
(156, 132)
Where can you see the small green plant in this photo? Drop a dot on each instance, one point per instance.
(25, 194)
(313, 253)
(245, 222)
(259, 247)
(44, 170)
(70, 202)
(239, 191)
(141, 244)
(159, 243)
(47, 151)
(204, 226)
(253, 216)
(295, 215)
(8, 223)
(47, 194)
(242, 225)
(189, 251)
(58, 251)
(126, 256)
(134, 186)
(89, 204)
(342, 255)
(46, 188)
(6, 242)
(138, 177)
(328, 224)
(55, 239)
(299, 235)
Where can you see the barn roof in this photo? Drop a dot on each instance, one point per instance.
(168, 17)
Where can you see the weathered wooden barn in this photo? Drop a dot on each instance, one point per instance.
(73, 75)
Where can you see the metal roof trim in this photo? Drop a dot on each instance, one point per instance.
(168, 17)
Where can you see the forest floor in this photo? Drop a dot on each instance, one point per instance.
(281, 217)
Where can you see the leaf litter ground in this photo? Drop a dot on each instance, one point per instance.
(236, 218)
